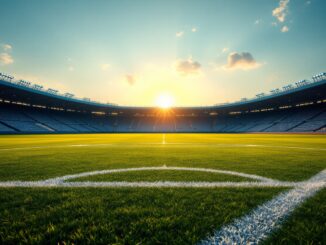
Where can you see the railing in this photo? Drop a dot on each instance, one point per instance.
(24, 83)
(302, 83)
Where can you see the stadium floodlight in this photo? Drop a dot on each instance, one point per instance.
(319, 77)
(275, 91)
(301, 83)
(69, 95)
(260, 95)
(24, 83)
(38, 87)
(314, 78)
(288, 87)
(6, 77)
(52, 91)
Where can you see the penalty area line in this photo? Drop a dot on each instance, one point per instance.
(259, 224)
(143, 184)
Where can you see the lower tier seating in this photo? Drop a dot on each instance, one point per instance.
(23, 119)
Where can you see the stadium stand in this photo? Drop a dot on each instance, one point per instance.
(24, 109)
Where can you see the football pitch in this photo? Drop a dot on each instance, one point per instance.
(163, 189)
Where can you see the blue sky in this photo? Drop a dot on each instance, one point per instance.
(131, 52)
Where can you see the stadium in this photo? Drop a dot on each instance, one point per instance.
(29, 108)
(215, 132)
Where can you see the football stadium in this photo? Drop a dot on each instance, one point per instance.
(162, 164)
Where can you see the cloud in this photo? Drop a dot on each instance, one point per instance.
(6, 47)
(281, 11)
(243, 61)
(225, 50)
(194, 29)
(179, 34)
(105, 67)
(131, 80)
(285, 29)
(5, 56)
(71, 68)
(187, 67)
(6, 59)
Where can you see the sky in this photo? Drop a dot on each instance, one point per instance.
(135, 52)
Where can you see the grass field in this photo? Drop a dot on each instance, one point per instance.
(165, 215)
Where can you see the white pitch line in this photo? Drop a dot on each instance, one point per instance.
(250, 229)
(163, 142)
(207, 170)
(163, 139)
(256, 226)
(259, 181)
(144, 184)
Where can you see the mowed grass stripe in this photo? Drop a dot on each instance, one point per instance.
(276, 163)
(317, 141)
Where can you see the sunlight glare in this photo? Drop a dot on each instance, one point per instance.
(164, 101)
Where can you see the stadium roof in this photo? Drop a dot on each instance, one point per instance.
(22, 91)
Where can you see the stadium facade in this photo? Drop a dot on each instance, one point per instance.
(29, 108)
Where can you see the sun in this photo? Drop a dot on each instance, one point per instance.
(164, 101)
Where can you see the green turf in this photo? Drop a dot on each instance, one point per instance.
(170, 216)
(162, 175)
(307, 225)
(121, 216)
(229, 152)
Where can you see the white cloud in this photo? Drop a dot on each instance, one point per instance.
(225, 50)
(71, 68)
(131, 79)
(187, 67)
(5, 56)
(242, 61)
(284, 29)
(105, 67)
(281, 11)
(179, 34)
(6, 59)
(6, 47)
(194, 29)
